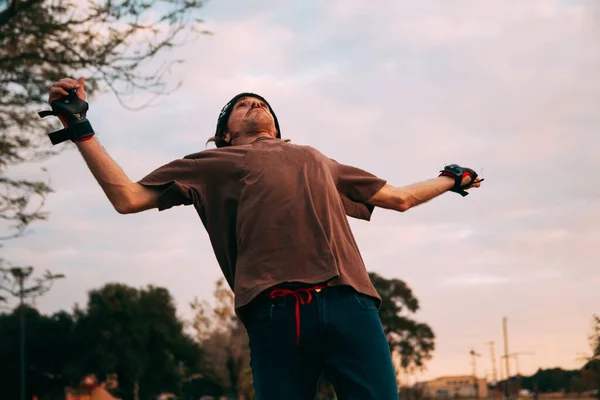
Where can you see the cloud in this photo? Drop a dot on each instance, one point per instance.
(398, 89)
(476, 279)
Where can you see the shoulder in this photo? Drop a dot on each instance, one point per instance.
(310, 150)
(222, 153)
(218, 163)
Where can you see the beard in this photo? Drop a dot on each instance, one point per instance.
(259, 121)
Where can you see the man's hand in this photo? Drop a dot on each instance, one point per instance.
(463, 178)
(467, 179)
(60, 89)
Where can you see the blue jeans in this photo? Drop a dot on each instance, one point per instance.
(341, 337)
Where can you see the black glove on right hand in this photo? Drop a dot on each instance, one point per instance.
(73, 110)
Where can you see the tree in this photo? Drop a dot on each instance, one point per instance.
(12, 281)
(549, 380)
(591, 369)
(594, 339)
(49, 345)
(110, 42)
(225, 341)
(412, 340)
(577, 385)
(135, 334)
(131, 332)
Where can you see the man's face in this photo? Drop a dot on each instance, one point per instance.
(250, 116)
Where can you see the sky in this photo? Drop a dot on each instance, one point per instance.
(398, 88)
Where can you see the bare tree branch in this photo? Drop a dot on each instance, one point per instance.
(15, 8)
(113, 44)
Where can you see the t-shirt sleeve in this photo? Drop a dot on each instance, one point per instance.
(356, 187)
(178, 182)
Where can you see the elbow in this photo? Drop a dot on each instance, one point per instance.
(136, 200)
(393, 198)
(403, 202)
(402, 207)
(123, 209)
(124, 206)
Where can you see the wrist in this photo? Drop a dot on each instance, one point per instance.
(84, 141)
(465, 180)
(446, 181)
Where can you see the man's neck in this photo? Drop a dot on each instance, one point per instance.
(247, 139)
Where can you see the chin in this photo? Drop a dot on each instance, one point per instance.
(261, 124)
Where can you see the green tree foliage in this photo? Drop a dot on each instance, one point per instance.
(224, 338)
(549, 380)
(49, 350)
(414, 341)
(134, 333)
(577, 385)
(591, 370)
(109, 42)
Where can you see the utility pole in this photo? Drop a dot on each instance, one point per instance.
(494, 372)
(20, 275)
(507, 363)
(16, 287)
(474, 356)
(516, 357)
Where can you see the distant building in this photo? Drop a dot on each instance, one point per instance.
(450, 387)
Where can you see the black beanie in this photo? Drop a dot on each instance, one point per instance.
(226, 112)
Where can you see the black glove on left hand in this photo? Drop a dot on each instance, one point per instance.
(458, 173)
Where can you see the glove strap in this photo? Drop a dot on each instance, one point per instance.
(76, 131)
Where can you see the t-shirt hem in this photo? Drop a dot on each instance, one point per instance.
(360, 209)
(246, 298)
(169, 191)
(367, 290)
(373, 192)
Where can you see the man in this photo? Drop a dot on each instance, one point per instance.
(276, 214)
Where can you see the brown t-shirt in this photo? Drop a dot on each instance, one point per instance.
(275, 212)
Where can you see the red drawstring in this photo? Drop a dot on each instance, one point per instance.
(299, 300)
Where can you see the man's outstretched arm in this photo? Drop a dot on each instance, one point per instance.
(125, 196)
(407, 197)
